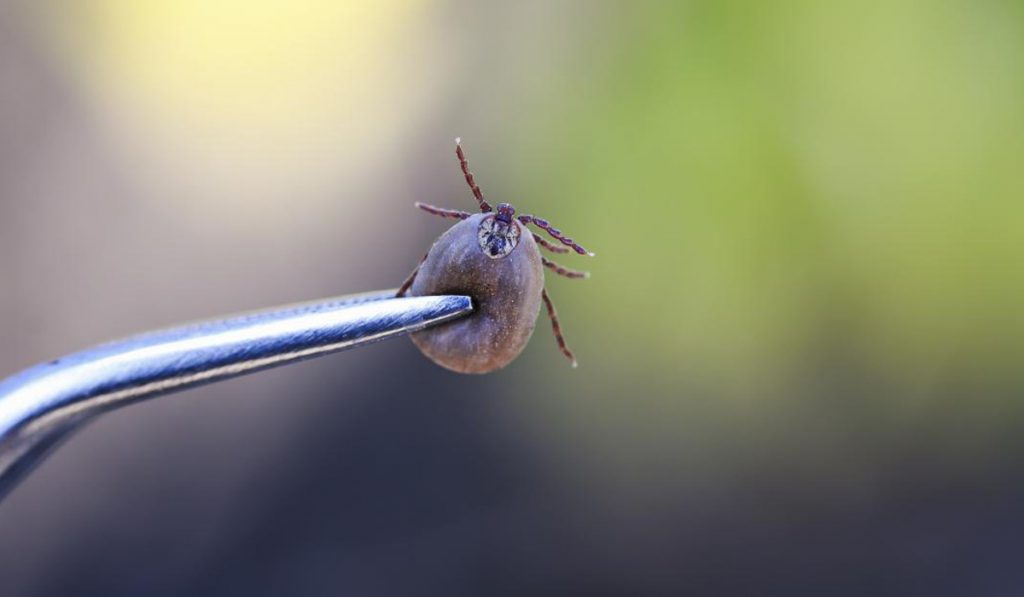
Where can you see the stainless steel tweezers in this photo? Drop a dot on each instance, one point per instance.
(41, 406)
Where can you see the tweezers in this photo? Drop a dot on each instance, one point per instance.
(41, 406)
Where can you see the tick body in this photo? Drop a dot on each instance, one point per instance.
(506, 293)
(493, 257)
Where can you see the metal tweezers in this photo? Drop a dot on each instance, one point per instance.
(41, 406)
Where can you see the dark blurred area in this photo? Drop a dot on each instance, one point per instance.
(800, 350)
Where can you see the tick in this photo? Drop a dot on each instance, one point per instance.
(494, 258)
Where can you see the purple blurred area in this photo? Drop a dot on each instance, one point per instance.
(158, 168)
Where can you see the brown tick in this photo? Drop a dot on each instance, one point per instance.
(493, 257)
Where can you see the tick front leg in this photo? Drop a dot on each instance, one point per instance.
(444, 213)
(563, 271)
(554, 232)
(547, 245)
(557, 328)
(484, 205)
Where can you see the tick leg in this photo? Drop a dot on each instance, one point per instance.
(563, 271)
(412, 278)
(549, 246)
(484, 205)
(444, 213)
(554, 232)
(556, 327)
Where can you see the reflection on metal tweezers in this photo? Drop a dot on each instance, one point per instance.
(41, 406)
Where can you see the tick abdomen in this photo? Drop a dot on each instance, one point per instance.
(506, 293)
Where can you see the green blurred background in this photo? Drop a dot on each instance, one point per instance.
(800, 349)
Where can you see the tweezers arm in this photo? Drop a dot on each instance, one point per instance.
(41, 405)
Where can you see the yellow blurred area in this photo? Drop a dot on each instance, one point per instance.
(272, 95)
(238, 64)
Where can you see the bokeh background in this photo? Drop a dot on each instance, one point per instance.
(801, 348)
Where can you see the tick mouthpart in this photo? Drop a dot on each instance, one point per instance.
(505, 213)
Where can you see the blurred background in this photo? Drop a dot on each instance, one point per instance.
(800, 350)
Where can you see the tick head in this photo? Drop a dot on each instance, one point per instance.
(505, 213)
